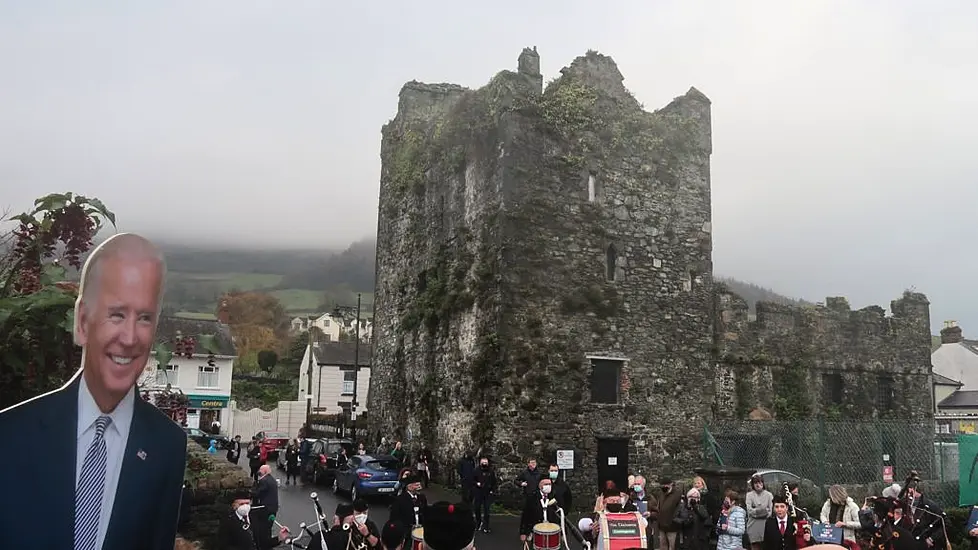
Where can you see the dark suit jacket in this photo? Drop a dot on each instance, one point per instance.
(774, 540)
(533, 513)
(402, 510)
(234, 534)
(265, 494)
(39, 508)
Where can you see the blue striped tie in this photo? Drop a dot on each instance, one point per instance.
(91, 485)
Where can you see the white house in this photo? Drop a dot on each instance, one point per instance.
(333, 326)
(207, 386)
(335, 375)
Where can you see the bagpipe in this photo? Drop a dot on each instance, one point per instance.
(317, 538)
(921, 521)
(803, 521)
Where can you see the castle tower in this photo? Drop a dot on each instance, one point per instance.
(544, 273)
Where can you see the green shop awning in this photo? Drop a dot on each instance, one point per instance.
(208, 401)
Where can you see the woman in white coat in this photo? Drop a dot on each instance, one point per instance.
(840, 510)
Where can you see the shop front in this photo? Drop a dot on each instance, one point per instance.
(204, 410)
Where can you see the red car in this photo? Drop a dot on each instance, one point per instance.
(271, 443)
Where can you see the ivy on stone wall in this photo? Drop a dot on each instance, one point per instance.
(441, 290)
(792, 394)
(600, 300)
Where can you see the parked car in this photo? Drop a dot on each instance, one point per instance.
(775, 479)
(271, 443)
(204, 439)
(367, 476)
(323, 463)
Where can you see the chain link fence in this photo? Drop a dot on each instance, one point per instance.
(849, 453)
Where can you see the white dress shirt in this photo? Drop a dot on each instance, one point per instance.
(116, 438)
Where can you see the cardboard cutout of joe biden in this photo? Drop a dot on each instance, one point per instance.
(91, 466)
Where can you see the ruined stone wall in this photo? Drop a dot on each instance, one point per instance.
(783, 361)
(498, 207)
(860, 345)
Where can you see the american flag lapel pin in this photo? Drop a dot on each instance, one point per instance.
(141, 454)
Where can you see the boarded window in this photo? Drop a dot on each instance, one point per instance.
(832, 393)
(605, 380)
(884, 390)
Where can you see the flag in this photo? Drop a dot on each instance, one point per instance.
(967, 469)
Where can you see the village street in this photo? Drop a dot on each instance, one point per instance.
(295, 506)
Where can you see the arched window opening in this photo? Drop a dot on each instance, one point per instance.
(592, 189)
(611, 262)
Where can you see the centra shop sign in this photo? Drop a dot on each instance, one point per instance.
(208, 401)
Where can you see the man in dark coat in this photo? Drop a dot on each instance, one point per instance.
(466, 475)
(561, 491)
(234, 450)
(529, 479)
(235, 532)
(409, 507)
(483, 492)
(264, 497)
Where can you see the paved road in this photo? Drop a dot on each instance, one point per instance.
(295, 506)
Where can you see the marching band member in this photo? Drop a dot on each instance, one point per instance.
(449, 527)
(234, 531)
(338, 536)
(780, 530)
(364, 525)
(392, 537)
(611, 503)
(409, 507)
(540, 508)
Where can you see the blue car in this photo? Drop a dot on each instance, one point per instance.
(366, 475)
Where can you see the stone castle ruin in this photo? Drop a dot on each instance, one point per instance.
(545, 282)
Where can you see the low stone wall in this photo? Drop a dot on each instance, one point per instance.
(210, 481)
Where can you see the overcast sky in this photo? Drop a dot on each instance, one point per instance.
(845, 132)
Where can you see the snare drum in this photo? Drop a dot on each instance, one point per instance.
(546, 536)
(417, 538)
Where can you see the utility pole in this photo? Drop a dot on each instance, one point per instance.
(309, 377)
(356, 363)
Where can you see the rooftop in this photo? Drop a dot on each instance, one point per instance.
(341, 354)
(169, 327)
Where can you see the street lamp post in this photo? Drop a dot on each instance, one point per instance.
(356, 358)
(309, 380)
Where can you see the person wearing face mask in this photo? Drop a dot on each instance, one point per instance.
(644, 503)
(561, 491)
(541, 508)
(364, 525)
(235, 532)
(483, 492)
(732, 524)
(612, 502)
(697, 525)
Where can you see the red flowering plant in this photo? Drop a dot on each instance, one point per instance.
(37, 299)
(174, 402)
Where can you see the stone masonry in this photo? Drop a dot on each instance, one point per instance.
(545, 278)
(523, 231)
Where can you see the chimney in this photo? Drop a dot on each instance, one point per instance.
(951, 333)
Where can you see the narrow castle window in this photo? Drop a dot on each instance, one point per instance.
(884, 388)
(592, 189)
(605, 380)
(688, 281)
(611, 262)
